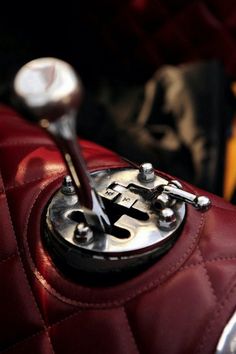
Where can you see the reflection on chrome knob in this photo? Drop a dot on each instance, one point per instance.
(48, 87)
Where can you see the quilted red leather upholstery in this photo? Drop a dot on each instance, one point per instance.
(179, 305)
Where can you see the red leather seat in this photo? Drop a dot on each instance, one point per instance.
(179, 305)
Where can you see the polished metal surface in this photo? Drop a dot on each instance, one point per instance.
(167, 219)
(202, 203)
(63, 131)
(176, 183)
(49, 87)
(146, 172)
(138, 229)
(227, 341)
(162, 201)
(51, 90)
(67, 186)
(83, 234)
(145, 219)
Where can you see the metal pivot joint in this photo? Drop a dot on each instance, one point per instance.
(175, 191)
(168, 198)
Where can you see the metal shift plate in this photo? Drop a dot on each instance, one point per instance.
(137, 235)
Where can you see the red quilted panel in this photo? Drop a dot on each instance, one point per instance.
(8, 244)
(155, 314)
(19, 313)
(108, 330)
(221, 271)
(179, 305)
(39, 341)
(214, 242)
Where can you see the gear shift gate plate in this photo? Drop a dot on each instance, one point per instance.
(136, 235)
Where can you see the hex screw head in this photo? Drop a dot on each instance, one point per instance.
(83, 234)
(167, 219)
(67, 186)
(162, 201)
(146, 172)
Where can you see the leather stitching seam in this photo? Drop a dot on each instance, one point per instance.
(61, 321)
(119, 302)
(231, 209)
(134, 340)
(25, 275)
(217, 259)
(207, 275)
(22, 341)
(216, 312)
(41, 331)
(67, 300)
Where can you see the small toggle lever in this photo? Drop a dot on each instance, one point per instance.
(51, 90)
(174, 190)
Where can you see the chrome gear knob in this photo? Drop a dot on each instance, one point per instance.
(50, 89)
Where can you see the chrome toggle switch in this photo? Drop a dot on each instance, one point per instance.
(175, 191)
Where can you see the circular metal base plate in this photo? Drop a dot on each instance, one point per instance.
(137, 236)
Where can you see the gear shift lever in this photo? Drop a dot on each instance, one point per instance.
(146, 209)
(51, 90)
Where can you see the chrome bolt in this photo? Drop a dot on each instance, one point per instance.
(67, 186)
(146, 172)
(167, 219)
(83, 234)
(161, 201)
(202, 203)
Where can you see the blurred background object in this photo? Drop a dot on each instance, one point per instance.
(157, 73)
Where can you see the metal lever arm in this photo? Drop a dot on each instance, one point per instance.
(199, 202)
(64, 133)
(51, 90)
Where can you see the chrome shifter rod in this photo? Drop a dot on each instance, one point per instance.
(51, 90)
